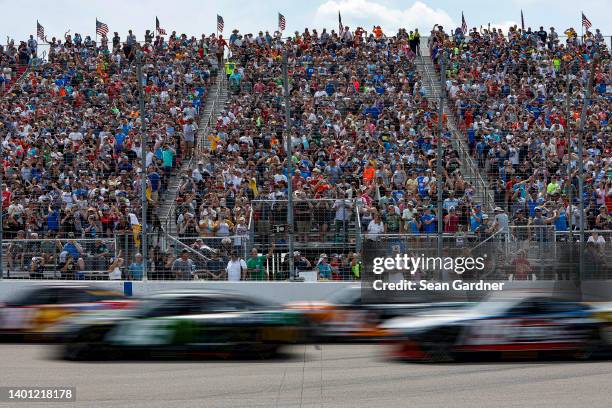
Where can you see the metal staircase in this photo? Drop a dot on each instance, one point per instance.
(215, 102)
(431, 79)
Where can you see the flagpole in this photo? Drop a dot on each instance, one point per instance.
(96, 31)
(581, 27)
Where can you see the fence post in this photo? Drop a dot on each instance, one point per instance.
(289, 137)
(439, 158)
(143, 174)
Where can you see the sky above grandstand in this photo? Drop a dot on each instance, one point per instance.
(194, 17)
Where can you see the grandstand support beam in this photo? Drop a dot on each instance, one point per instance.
(288, 140)
(585, 103)
(143, 174)
(439, 157)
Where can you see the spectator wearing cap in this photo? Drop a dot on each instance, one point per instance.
(301, 263)
(540, 224)
(324, 268)
(476, 217)
(501, 222)
(520, 222)
(485, 229)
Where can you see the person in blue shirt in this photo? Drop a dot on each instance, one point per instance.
(325, 270)
(155, 180)
(429, 222)
(309, 72)
(372, 111)
(135, 271)
(53, 220)
(476, 218)
(75, 250)
(235, 78)
(422, 181)
(561, 219)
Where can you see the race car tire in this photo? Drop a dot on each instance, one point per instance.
(591, 347)
(438, 353)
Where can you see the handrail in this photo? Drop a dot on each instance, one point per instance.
(459, 145)
(23, 75)
(199, 149)
(187, 247)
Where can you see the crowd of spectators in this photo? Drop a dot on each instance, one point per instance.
(518, 97)
(363, 131)
(14, 60)
(364, 140)
(71, 141)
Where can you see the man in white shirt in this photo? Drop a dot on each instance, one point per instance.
(597, 239)
(236, 268)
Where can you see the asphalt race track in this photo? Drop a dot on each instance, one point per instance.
(332, 376)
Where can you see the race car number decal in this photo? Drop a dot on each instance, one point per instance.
(142, 332)
(505, 331)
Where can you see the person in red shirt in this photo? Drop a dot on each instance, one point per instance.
(451, 220)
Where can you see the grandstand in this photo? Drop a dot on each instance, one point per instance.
(365, 127)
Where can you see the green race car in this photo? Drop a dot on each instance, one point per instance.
(185, 324)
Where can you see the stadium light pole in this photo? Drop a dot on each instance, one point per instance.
(439, 158)
(585, 103)
(143, 156)
(289, 167)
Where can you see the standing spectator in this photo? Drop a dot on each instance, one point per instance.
(75, 250)
(342, 218)
(115, 269)
(325, 270)
(236, 268)
(375, 228)
(182, 267)
(451, 221)
(256, 265)
(136, 269)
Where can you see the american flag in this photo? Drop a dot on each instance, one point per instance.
(464, 26)
(220, 23)
(40, 31)
(159, 30)
(340, 26)
(101, 28)
(585, 22)
(282, 23)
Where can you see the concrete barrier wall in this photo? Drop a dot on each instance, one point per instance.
(282, 292)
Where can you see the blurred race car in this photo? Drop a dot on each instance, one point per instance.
(529, 326)
(31, 313)
(343, 317)
(185, 323)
